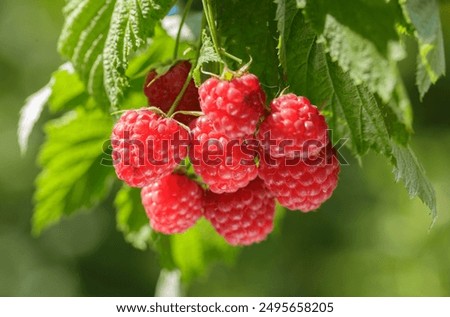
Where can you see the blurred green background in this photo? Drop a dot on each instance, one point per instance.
(368, 240)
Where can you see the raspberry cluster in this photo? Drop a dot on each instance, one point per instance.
(297, 161)
(243, 156)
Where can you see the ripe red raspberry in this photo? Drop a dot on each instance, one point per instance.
(162, 91)
(302, 184)
(243, 217)
(224, 164)
(173, 203)
(294, 128)
(147, 147)
(233, 106)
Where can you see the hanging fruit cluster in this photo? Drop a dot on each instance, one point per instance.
(238, 156)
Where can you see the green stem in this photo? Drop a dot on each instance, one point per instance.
(174, 106)
(183, 19)
(181, 94)
(209, 14)
(207, 7)
(236, 59)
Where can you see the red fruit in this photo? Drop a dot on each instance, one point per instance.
(295, 128)
(173, 203)
(162, 91)
(224, 164)
(243, 217)
(235, 106)
(302, 184)
(147, 147)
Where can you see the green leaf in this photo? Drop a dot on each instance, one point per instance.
(286, 11)
(424, 17)
(398, 115)
(63, 92)
(99, 35)
(158, 52)
(207, 55)
(30, 114)
(131, 218)
(355, 113)
(68, 90)
(248, 29)
(361, 36)
(72, 176)
(410, 171)
(199, 247)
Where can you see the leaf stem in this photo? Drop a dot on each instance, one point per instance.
(183, 19)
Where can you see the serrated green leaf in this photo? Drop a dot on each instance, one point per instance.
(424, 17)
(99, 35)
(354, 110)
(361, 36)
(72, 176)
(68, 90)
(207, 55)
(398, 115)
(199, 247)
(355, 113)
(411, 173)
(286, 11)
(248, 29)
(131, 218)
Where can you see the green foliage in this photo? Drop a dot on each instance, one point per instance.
(424, 17)
(207, 55)
(72, 177)
(131, 218)
(411, 172)
(354, 111)
(99, 36)
(159, 52)
(361, 36)
(67, 90)
(286, 11)
(342, 55)
(248, 29)
(196, 249)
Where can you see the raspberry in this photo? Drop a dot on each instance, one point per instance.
(243, 217)
(302, 184)
(163, 91)
(147, 147)
(233, 106)
(173, 203)
(294, 128)
(224, 164)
